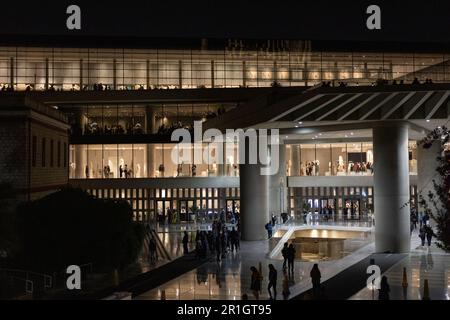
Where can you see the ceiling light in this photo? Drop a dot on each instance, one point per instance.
(428, 120)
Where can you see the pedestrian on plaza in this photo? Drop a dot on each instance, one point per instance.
(429, 234)
(185, 243)
(255, 285)
(291, 258)
(272, 282)
(383, 292)
(414, 218)
(315, 278)
(422, 234)
(284, 253)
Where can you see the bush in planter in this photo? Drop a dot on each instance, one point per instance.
(71, 227)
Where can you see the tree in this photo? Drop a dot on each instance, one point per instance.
(71, 227)
(439, 200)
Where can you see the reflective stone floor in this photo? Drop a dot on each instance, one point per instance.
(423, 263)
(230, 278)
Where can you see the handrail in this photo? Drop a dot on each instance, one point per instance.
(161, 246)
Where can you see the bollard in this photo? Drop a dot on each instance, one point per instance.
(405, 279)
(426, 290)
(116, 280)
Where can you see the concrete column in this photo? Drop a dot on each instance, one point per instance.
(254, 199)
(278, 191)
(150, 119)
(221, 170)
(222, 199)
(114, 84)
(391, 187)
(80, 161)
(295, 160)
(150, 125)
(426, 170)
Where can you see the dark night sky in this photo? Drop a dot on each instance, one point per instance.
(417, 21)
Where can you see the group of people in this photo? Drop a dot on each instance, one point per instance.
(124, 172)
(312, 168)
(425, 230)
(273, 222)
(288, 253)
(427, 81)
(95, 129)
(257, 278)
(220, 240)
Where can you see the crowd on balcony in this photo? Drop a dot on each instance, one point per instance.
(96, 129)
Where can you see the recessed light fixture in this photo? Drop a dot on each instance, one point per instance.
(346, 136)
(300, 122)
(320, 134)
(428, 120)
(351, 133)
(296, 126)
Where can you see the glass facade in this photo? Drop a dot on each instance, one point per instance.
(337, 159)
(334, 203)
(37, 68)
(114, 119)
(169, 206)
(112, 161)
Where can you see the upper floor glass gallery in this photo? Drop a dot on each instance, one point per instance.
(111, 161)
(39, 68)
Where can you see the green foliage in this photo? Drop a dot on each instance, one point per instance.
(71, 227)
(439, 200)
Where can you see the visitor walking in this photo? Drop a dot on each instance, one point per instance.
(383, 292)
(429, 234)
(255, 285)
(185, 243)
(422, 234)
(315, 278)
(291, 258)
(272, 282)
(284, 253)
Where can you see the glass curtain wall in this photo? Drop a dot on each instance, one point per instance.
(113, 161)
(337, 159)
(36, 68)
